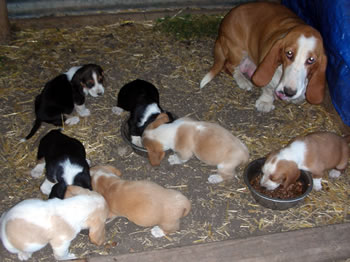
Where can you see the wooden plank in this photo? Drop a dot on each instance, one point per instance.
(329, 243)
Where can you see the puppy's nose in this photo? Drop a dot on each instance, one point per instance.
(100, 93)
(289, 91)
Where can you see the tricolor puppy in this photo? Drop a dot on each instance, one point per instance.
(209, 142)
(33, 223)
(141, 99)
(64, 159)
(67, 92)
(316, 152)
(267, 45)
(142, 202)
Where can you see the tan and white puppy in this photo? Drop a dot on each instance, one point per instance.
(142, 202)
(316, 152)
(209, 142)
(33, 223)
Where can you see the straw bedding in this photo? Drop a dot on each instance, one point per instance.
(128, 50)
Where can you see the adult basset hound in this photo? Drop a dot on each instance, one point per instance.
(267, 45)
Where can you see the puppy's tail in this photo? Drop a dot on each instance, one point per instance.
(219, 62)
(35, 128)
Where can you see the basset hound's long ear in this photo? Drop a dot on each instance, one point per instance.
(266, 69)
(291, 176)
(317, 82)
(155, 151)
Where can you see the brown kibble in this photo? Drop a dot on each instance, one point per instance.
(292, 191)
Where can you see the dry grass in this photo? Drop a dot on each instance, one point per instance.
(130, 50)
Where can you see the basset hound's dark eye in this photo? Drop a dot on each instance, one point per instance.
(90, 83)
(310, 60)
(289, 54)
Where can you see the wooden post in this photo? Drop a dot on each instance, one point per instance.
(4, 22)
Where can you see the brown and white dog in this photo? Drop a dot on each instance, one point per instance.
(271, 46)
(142, 202)
(316, 152)
(209, 142)
(33, 223)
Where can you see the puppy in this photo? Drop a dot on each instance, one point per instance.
(209, 142)
(33, 223)
(267, 45)
(141, 99)
(65, 161)
(316, 152)
(142, 202)
(67, 92)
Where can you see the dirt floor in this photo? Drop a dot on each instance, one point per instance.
(127, 50)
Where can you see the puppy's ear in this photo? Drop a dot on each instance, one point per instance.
(291, 176)
(317, 82)
(265, 71)
(155, 151)
(162, 118)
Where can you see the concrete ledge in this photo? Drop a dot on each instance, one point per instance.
(329, 243)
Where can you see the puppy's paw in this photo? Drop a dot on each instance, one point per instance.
(334, 173)
(117, 110)
(69, 256)
(84, 112)
(136, 140)
(24, 255)
(38, 170)
(157, 232)
(264, 106)
(89, 162)
(215, 179)
(241, 80)
(72, 120)
(317, 184)
(46, 187)
(175, 160)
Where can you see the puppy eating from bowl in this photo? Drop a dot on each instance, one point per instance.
(65, 93)
(141, 99)
(209, 142)
(142, 202)
(316, 152)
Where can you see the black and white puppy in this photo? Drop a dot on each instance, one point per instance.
(64, 159)
(67, 92)
(141, 99)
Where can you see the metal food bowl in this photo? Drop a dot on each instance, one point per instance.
(127, 138)
(254, 169)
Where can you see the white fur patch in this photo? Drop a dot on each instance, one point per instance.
(46, 187)
(150, 110)
(215, 179)
(117, 110)
(206, 79)
(317, 184)
(157, 232)
(334, 173)
(241, 80)
(71, 72)
(72, 120)
(38, 170)
(82, 110)
(175, 160)
(136, 140)
(70, 171)
(97, 89)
